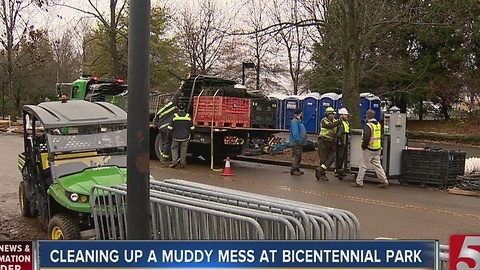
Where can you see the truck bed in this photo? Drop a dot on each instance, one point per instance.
(217, 128)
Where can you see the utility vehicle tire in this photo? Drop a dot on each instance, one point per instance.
(158, 145)
(24, 202)
(63, 227)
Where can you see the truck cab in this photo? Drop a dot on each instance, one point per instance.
(92, 88)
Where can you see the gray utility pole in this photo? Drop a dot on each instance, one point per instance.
(138, 159)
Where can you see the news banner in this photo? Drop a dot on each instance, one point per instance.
(356, 254)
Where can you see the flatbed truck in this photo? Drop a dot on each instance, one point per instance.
(213, 143)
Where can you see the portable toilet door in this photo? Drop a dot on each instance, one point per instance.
(364, 107)
(327, 100)
(291, 104)
(279, 101)
(339, 104)
(310, 114)
(376, 105)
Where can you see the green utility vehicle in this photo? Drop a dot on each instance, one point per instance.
(70, 146)
(95, 89)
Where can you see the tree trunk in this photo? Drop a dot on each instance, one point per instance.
(257, 76)
(401, 103)
(351, 93)
(113, 39)
(10, 70)
(420, 110)
(444, 110)
(351, 65)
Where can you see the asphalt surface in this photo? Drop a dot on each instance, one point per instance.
(405, 212)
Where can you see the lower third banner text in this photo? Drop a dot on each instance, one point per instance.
(237, 254)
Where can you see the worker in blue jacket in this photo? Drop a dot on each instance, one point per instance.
(297, 140)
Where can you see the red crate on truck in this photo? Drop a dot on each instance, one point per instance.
(223, 111)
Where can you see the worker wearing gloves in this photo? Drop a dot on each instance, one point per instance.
(326, 143)
(371, 150)
(297, 139)
(180, 127)
(342, 143)
(164, 117)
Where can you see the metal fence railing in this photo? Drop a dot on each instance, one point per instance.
(191, 211)
(345, 224)
(170, 220)
(315, 227)
(443, 257)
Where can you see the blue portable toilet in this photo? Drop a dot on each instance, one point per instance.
(327, 100)
(376, 105)
(339, 103)
(310, 113)
(279, 101)
(291, 104)
(364, 106)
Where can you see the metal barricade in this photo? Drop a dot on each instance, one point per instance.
(316, 227)
(275, 226)
(345, 225)
(443, 257)
(169, 219)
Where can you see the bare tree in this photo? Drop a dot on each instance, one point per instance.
(229, 64)
(15, 29)
(293, 38)
(67, 57)
(110, 21)
(201, 35)
(356, 26)
(260, 44)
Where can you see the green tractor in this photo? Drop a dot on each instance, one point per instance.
(95, 89)
(70, 146)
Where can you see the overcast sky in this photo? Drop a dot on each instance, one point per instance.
(58, 19)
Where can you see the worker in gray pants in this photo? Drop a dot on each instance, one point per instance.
(180, 128)
(326, 143)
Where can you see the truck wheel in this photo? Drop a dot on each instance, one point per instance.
(158, 146)
(62, 227)
(24, 202)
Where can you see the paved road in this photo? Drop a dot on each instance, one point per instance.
(400, 212)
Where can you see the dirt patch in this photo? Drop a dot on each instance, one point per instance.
(21, 229)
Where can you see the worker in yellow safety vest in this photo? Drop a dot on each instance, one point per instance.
(371, 151)
(164, 116)
(181, 127)
(343, 131)
(326, 143)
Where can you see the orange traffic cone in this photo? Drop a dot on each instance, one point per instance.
(227, 171)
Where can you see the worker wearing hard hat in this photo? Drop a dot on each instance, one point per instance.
(326, 143)
(342, 143)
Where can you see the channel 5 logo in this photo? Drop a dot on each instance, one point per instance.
(464, 252)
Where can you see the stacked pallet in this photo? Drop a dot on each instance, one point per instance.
(263, 113)
(208, 86)
(439, 167)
